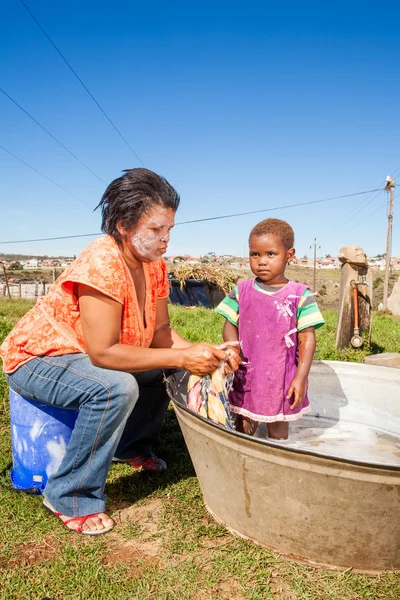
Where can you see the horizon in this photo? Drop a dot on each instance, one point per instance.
(168, 256)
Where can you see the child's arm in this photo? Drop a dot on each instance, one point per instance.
(230, 332)
(297, 388)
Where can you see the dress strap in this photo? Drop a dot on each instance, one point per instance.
(288, 339)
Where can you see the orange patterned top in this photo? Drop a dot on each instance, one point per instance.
(53, 326)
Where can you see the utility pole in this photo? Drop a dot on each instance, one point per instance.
(389, 187)
(315, 265)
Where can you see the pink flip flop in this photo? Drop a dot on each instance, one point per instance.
(146, 463)
(79, 520)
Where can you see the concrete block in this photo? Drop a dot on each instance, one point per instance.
(386, 359)
(393, 302)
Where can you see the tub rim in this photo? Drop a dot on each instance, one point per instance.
(266, 442)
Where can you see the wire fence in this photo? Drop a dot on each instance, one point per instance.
(24, 290)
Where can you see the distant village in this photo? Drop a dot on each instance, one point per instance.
(327, 262)
(37, 263)
(228, 260)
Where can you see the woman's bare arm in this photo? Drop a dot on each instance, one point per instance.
(101, 325)
(164, 335)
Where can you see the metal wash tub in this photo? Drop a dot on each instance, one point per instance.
(330, 495)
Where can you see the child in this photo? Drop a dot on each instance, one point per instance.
(275, 320)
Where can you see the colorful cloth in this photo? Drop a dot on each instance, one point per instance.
(53, 326)
(267, 330)
(308, 314)
(207, 396)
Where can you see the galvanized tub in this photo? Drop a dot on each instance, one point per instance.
(328, 496)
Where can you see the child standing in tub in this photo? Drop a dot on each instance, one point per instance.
(275, 320)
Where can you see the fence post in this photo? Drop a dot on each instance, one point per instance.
(6, 282)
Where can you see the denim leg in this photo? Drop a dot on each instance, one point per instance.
(146, 419)
(105, 399)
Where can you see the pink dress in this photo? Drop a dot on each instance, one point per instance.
(268, 335)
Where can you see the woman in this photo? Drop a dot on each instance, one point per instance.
(98, 342)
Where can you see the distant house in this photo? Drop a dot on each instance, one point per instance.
(329, 262)
(47, 264)
(32, 263)
(301, 261)
(395, 262)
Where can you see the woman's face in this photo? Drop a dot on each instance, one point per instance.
(149, 238)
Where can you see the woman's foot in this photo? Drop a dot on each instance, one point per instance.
(145, 463)
(95, 524)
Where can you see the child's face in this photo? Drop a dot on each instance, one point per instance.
(268, 258)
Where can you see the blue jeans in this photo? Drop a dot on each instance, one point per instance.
(120, 415)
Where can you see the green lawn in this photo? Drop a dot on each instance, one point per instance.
(165, 547)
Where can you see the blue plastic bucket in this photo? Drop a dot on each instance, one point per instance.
(39, 434)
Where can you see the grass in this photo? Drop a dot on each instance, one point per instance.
(385, 338)
(166, 546)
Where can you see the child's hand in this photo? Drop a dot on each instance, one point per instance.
(297, 389)
(232, 356)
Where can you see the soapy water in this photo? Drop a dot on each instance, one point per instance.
(347, 435)
(341, 439)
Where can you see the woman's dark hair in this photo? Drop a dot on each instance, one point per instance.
(132, 195)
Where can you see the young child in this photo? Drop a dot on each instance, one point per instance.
(275, 320)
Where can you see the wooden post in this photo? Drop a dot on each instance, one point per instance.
(389, 186)
(354, 269)
(6, 282)
(315, 266)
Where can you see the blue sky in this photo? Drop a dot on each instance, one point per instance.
(240, 106)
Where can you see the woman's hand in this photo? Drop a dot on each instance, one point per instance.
(202, 359)
(297, 389)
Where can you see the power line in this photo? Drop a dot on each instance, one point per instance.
(369, 216)
(252, 212)
(61, 237)
(341, 222)
(45, 177)
(368, 203)
(81, 82)
(52, 136)
(363, 207)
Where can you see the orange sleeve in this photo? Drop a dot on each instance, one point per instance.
(99, 267)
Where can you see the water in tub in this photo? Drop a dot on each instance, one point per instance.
(347, 439)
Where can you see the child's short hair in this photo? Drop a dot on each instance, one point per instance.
(277, 227)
